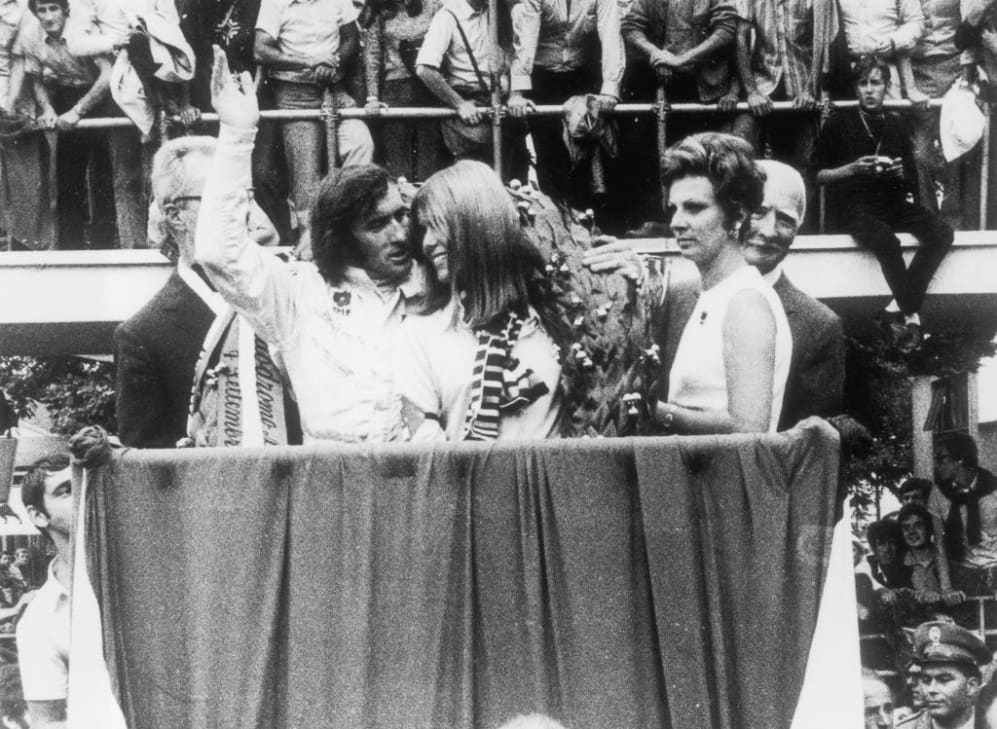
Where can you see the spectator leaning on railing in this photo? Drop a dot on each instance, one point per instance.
(782, 53)
(305, 48)
(395, 30)
(554, 58)
(457, 62)
(68, 88)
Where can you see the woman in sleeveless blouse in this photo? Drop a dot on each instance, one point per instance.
(730, 368)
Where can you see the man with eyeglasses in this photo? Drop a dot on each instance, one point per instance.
(158, 348)
(965, 498)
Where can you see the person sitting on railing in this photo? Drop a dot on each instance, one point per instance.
(929, 576)
(68, 88)
(393, 34)
(305, 48)
(554, 57)
(782, 53)
(458, 62)
(865, 160)
(686, 46)
(109, 28)
(332, 322)
(485, 363)
(882, 577)
(965, 498)
(888, 29)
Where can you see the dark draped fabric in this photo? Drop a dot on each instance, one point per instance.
(669, 582)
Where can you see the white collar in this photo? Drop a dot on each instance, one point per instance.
(212, 299)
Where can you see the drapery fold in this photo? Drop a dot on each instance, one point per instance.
(669, 582)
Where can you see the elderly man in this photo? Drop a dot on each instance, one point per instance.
(43, 631)
(950, 658)
(157, 349)
(817, 368)
(331, 322)
(305, 48)
(878, 700)
(68, 88)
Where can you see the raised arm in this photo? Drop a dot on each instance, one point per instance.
(250, 278)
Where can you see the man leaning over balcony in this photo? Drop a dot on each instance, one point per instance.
(332, 322)
(305, 46)
(68, 88)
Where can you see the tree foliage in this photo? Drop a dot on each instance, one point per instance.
(75, 392)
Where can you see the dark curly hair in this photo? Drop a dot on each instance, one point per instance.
(869, 63)
(345, 197)
(728, 162)
(884, 530)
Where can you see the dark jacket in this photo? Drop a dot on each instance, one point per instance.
(155, 352)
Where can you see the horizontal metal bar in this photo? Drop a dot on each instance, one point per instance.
(442, 113)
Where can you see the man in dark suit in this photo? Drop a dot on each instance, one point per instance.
(817, 369)
(156, 350)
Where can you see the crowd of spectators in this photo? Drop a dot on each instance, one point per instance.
(927, 562)
(62, 61)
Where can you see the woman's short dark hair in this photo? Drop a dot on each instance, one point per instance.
(344, 198)
(728, 162)
(869, 63)
(909, 510)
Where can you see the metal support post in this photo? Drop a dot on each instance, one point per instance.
(661, 115)
(496, 111)
(985, 167)
(331, 128)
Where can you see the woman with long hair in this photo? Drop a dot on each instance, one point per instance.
(730, 369)
(485, 362)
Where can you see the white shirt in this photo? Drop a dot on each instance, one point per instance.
(698, 376)
(43, 643)
(336, 342)
(93, 27)
(308, 28)
(980, 555)
(444, 49)
(434, 364)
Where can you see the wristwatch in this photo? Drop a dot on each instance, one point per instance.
(667, 418)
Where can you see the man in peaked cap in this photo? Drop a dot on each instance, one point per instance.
(950, 658)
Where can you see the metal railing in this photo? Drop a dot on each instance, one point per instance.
(331, 116)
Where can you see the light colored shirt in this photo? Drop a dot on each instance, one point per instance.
(867, 23)
(11, 14)
(43, 643)
(434, 363)
(50, 59)
(401, 27)
(308, 28)
(554, 35)
(336, 341)
(94, 27)
(941, 20)
(698, 378)
(444, 49)
(980, 555)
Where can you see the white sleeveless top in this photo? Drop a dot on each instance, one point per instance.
(698, 378)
